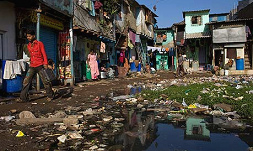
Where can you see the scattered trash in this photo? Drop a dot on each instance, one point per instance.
(26, 114)
(223, 107)
(7, 118)
(93, 147)
(62, 138)
(75, 135)
(20, 134)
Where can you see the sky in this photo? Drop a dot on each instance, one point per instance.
(170, 11)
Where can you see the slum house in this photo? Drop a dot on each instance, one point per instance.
(247, 14)
(179, 41)
(229, 39)
(197, 38)
(50, 19)
(134, 18)
(132, 28)
(163, 54)
(93, 30)
(145, 32)
(125, 30)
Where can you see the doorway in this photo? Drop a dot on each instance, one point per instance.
(219, 58)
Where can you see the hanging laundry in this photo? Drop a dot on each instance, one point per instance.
(248, 32)
(132, 36)
(102, 47)
(130, 45)
(12, 69)
(98, 4)
(88, 4)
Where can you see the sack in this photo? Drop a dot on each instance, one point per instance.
(48, 74)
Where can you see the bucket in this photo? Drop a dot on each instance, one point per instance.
(103, 75)
(133, 67)
(195, 66)
(139, 67)
(240, 64)
(186, 64)
(12, 85)
(88, 73)
(226, 72)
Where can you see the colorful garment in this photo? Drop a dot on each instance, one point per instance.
(93, 66)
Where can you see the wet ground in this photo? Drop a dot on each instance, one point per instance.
(106, 124)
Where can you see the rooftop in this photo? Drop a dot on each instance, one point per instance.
(219, 14)
(196, 11)
(144, 6)
(229, 21)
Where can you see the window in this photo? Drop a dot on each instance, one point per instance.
(196, 20)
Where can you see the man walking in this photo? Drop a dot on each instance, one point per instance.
(180, 65)
(38, 61)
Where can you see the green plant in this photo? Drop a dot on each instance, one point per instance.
(225, 94)
(112, 7)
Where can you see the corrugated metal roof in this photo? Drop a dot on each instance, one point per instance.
(230, 21)
(180, 23)
(219, 14)
(166, 28)
(203, 10)
(198, 35)
(195, 11)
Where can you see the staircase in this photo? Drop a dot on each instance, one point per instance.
(142, 61)
(247, 62)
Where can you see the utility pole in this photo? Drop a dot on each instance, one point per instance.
(38, 38)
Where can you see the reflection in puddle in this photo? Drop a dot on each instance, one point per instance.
(142, 132)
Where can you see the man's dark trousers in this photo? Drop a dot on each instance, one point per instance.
(28, 80)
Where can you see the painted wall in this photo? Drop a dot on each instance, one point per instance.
(194, 122)
(218, 18)
(170, 37)
(190, 28)
(7, 29)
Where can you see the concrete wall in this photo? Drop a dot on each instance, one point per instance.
(7, 29)
(190, 28)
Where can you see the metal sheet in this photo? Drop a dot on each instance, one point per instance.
(64, 6)
(229, 35)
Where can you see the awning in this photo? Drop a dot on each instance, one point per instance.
(234, 45)
(198, 35)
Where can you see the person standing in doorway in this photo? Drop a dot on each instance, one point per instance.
(92, 62)
(38, 61)
(121, 58)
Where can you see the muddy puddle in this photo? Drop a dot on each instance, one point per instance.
(146, 131)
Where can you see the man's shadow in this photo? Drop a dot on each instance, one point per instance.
(65, 92)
